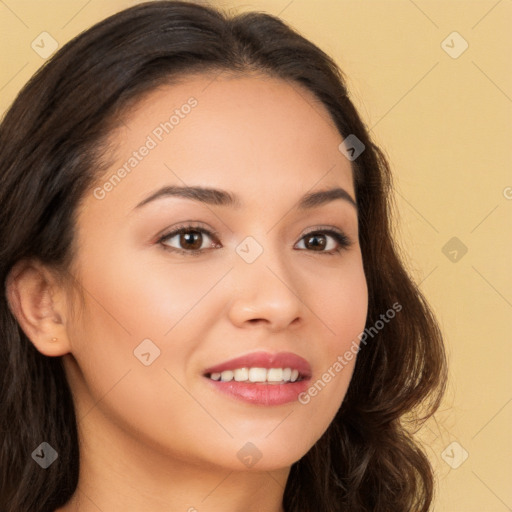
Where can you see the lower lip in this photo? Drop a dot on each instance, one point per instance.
(261, 394)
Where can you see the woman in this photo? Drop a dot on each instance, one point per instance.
(204, 308)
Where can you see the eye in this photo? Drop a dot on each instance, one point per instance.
(188, 240)
(318, 241)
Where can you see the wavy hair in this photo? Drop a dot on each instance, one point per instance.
(51, 143)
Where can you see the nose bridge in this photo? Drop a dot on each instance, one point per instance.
(266, 287)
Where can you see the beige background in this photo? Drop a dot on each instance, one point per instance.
(446, 125)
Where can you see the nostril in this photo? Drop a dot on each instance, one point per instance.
(255, 320)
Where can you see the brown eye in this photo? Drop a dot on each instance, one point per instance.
(325, 241)
(315, 242)
(188, 240)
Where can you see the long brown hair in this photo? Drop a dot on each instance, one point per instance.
(51, 143)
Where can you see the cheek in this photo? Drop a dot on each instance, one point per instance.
(124, 306)
(130, 301)
(342, 309)
(342, 305)
(144, 296)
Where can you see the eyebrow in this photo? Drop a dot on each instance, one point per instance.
(217, 197)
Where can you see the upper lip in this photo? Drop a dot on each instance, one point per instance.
(265, 360)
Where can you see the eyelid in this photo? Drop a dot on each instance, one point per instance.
(328, 230)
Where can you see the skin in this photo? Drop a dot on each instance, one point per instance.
(158, 437)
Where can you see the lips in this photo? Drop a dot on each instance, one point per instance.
(269, 392)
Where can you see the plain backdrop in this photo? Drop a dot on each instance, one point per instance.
(433, 81)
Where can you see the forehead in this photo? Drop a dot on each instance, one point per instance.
(259, 136)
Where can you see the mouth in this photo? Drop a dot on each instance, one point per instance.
(261, 378)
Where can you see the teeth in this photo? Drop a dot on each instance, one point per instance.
(274, 374)
(226, 376)
(257, 374)
(271, 375)
(241, 374)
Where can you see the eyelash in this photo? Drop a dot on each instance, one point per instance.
(342, 240)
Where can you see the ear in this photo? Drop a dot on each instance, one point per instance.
(39, 304)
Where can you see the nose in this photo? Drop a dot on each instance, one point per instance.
(266, 293)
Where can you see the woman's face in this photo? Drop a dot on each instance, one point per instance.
(160, 320)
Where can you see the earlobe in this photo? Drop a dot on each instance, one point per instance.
(38, 303)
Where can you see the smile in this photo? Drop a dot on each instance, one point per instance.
(261, 378)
